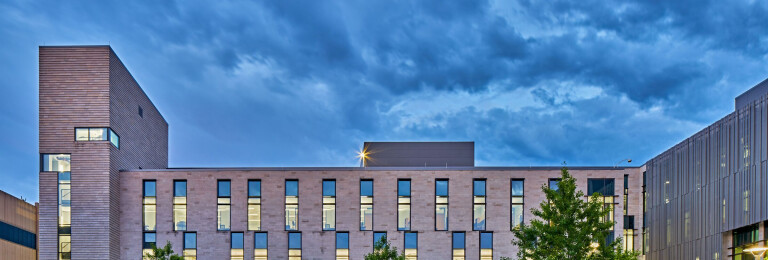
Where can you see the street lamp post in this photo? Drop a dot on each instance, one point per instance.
(757, 251)
(625, 160)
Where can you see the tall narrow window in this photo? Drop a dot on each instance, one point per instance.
(224, 205)
(411, 245)
(329, 205)
(60, 163)
(180, 205)
(254, 205)
(150, 205)
(149, 241)
(441, 205)
(403, 204)
(459, 249)
(646, 245)
(366, 205)
(190, 246)
(292, 205)
(260, 246)
(626, 194)
(294, 246)
(236, 248)
(517, 192)
(486, 246)
(629, 239)
(378, 236)
(478, 191)
(342, 246)
(605, 189)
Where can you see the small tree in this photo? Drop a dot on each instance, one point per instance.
(568, 227)
(383, 251)
(165, 253)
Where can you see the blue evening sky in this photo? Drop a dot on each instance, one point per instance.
(305, 83)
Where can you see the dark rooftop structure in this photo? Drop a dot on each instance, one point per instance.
(419, 154)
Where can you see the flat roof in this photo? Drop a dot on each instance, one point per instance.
(483, 168)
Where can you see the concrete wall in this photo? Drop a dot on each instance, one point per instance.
(318, 244)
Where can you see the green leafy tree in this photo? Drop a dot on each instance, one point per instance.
(568, 227)
(383, 251)
(164, 253)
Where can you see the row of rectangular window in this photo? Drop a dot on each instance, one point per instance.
(410, 245)
(97, 134)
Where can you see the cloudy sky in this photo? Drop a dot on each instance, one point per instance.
(304, 83)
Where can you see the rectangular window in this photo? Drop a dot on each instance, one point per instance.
(342, 246)
(329, 204)
(411, 245)
(55, 163)
(260, 246)
(403, 204)
(64, 198)
(180, 205)
(150, 205)
(459, 250)
(294, 246)
(224, 210)
(254, 205)
(97, 134)
(236, 248)
(517, 206)
(554, 183)
(366, 205)
(626, 193)
(292, 205)
(478, 191)
(379, 237)
(486, 246)
(629, 239)
(114, 138)
(441, 205)
(149, 240)
(190, 246)
(605, 189)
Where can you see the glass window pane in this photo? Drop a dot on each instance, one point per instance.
(517, 215)
(224, 188)
(404, 217)
(180, 188)
(411, 240)
(149, 188)
(114, 139)
(56, 163)
(180, 217)
(254, 188)
(441, 188)
(553, 184)
(294, 240)
(478, 222)
(378, 236)
(190, 240)
(149, 240)
(149, 217)
(342, 240)
(366, 188)
(291, 188)
(458, 240)
(486, 240)
(254, 217)
(81, 134)
(329, 188)
(441, 217)
(97, 134)
(329, 217)
(292, 217)
(260, 240)
(366, 217)
(237, 240)
(223, 217)
(404, 188)
(479, 188)
(517, 188)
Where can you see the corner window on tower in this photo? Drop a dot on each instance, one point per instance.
(260, 246)
(366, 205)
(294, 246)
(403, 204)
(180, 205)
(54, 163)
(329, 204)
(59, 163)
(478, 191)
(254, 205)
(342, 246)
(236, 249)
(411, 246)
(223, 212)
(97, 134)
(292, 205)
(190, 246)
(441, 204)
(517, 192)
(150, 205)
(459, 250)
(486, 246)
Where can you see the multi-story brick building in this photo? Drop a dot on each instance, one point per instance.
(106, 191)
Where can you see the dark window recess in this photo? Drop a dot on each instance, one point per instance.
(629, 222)
(141, 112)
(604, 187)
(745, 235)
(17, 235)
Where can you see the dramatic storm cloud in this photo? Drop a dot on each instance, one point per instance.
(304, 83)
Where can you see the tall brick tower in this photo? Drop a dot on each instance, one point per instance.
(95, 120)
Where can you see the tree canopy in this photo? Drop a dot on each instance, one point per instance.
(383, 251)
